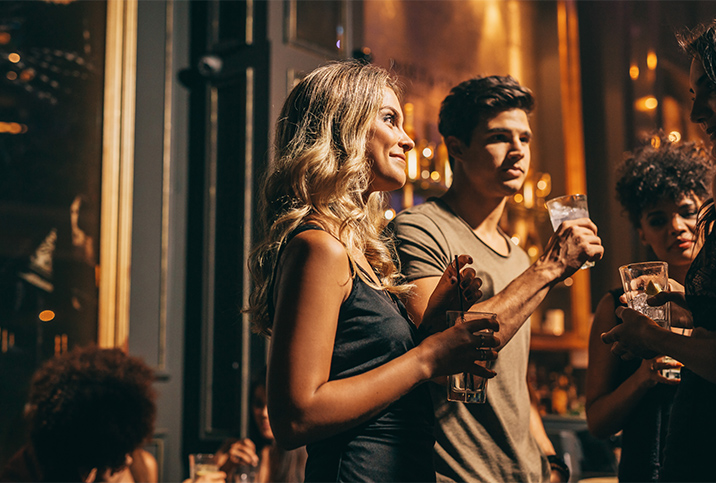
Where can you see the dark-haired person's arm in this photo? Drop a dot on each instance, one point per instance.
(639, 336)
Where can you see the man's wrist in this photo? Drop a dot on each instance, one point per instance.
(550, 270)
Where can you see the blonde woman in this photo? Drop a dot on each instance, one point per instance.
(346, 365)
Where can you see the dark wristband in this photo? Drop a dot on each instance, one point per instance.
(556, 463)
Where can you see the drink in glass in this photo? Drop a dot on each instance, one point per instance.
(568, 207)
(641, 281)
(202, 464)
(466, 387)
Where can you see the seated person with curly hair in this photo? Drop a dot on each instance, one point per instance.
(89, 410)
(662, 190)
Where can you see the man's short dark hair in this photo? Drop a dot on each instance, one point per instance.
(700, 43)
(474, 101)
(89, 408)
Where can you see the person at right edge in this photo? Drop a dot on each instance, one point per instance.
(662, 190)
(484, 122)
(691, 437)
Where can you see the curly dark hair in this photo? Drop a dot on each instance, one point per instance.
(89, 408)
(476, 100)
(669, 171)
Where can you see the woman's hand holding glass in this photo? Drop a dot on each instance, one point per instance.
(243, 452)
(240, 453)
(457, 349)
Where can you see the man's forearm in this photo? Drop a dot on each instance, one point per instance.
(516, 302)
(697, 352)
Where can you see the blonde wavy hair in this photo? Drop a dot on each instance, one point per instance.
(320, 172)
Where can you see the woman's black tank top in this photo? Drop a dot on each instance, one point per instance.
(397, 444)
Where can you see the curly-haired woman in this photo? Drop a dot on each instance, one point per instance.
(346, 364)
(662, 190)
(89, 410)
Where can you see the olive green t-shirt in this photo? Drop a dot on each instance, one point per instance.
(488, 442)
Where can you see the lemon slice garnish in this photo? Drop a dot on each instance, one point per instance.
(652, 288)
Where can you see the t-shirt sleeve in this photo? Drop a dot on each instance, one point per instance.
(420, 245)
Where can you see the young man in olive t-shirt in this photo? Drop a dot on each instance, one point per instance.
(485, 125)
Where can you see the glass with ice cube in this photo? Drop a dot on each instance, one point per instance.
(641, 281)
(568, 207)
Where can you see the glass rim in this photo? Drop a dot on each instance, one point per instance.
(576, 196)
(653, 263)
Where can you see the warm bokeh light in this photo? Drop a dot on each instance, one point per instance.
(412, 164)
(646, 103)
(528, 190)
(651, 60)
(674, 136)
(655, 142)
(568, 281)
(435, 176)
(427, 152)
(12, 128)
(14, 58)
(425, 174)
(27, 75)
(544, 185)
(532, 251)
(518, 198)
(634, 72)
(46, 315)
(4, 38)
(515, 239)
(11, 75)
(389, 214)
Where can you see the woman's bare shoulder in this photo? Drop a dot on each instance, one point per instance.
(316, 251)
(316, 243)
